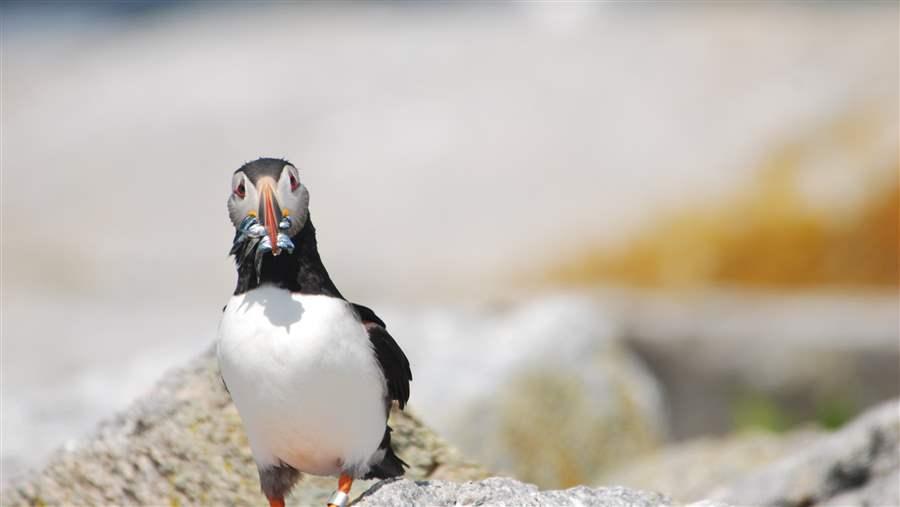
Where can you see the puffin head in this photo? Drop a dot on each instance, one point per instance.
(268, 204)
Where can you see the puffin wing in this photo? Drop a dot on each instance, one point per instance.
(390, 356)
(367, 315)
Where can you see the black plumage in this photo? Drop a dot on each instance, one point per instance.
(389, 466)
(393, 363)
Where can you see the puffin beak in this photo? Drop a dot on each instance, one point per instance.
(270, 213)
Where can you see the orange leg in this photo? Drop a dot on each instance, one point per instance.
(342, 495)
(276, 502)
(345, 482)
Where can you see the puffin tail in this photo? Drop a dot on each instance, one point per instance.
(390, 465)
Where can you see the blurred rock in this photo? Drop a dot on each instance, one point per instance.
(688, 471)
(182, 444)
(856, 466)
(501, 492)
(723, 355)
(543, 390)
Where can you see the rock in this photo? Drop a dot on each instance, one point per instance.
(858, 465)
(500, 492)
(803, 357)
(542, 390)
(688, 471)
(183, 444)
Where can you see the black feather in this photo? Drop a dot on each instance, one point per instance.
(391, 358)
(391, 465)
(367, 315)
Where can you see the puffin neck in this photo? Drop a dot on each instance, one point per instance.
(300, 271)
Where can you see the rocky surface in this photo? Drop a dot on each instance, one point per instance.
(859, 465)
(501, 492)
(688, 471)
(499, 380)
(856, 466)
(183, 444)
(805, 355)
(614, 373)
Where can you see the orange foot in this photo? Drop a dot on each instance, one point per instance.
(276, 502)
(341, 497)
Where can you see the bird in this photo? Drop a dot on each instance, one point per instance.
(312, 375)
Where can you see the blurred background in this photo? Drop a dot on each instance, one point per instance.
(597, 228)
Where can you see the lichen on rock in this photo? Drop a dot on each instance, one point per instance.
(183, 444)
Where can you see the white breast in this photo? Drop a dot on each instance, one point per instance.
(304, 377)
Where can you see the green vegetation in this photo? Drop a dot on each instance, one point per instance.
(834, 413)
(758, 411)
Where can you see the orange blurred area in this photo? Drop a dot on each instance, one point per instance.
(777, 231)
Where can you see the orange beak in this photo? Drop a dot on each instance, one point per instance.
(270, 213)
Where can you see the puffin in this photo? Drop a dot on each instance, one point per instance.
(312, 375)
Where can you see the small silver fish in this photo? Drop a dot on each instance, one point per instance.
(285, 243)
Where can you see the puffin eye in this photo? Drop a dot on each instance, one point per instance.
(240, 191)
(294, 183)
